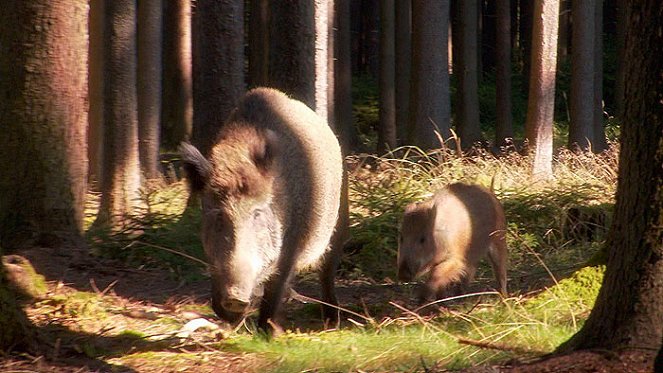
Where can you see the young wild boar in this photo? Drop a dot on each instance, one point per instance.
(447, 235)
(270, 193)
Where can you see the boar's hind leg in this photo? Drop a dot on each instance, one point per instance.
(327, 273)
(447, 276)
(498, 259)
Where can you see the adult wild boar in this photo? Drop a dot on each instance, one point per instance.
(447, 235)
(270, 192)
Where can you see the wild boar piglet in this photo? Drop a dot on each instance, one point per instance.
(447, 235)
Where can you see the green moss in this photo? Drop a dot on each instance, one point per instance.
(23, 277)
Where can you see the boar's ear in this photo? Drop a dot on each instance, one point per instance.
(263, 152)
(197, 168)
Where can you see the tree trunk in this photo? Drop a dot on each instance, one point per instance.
(629, 308)
(44, 115)
(96, 92)
(292, 49)
(620, 39)
(331, 63)
(149, 85)
(581, 128)
(564, 30)
(321, 19)
(387, 128)
(487, 37)
(346, 130)
(121, 174)
(177, 96)
(600, 143)
(541, 101)
(466, 71)
(504, 118)
(403, 50)
(525, 26)
(218, 66)
(258, 42)
(429, 101)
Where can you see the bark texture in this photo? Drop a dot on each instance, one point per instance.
(466, 72)
(121, 174)
(218, 66)
(346, 131)
(321, 18)
(504, 117)
(403, 50)
(581, 128)
(258, 42)
(430, 108)
(629, 309)
(96, 91)
(387, 109)
(149, 85)
(541, 101)
(44, 116)
(177, 114)
(292, 49)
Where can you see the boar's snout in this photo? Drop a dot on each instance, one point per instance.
(232, 314)
(234, 305)
(405, 273)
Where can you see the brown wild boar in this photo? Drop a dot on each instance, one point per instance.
(447, 235)
(270, 193)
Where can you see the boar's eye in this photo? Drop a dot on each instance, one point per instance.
(422, 239)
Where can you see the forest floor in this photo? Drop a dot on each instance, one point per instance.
(81, 337)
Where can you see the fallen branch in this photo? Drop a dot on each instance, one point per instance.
(498, 346)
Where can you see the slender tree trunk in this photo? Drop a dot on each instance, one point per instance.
(292, 49)
(429, 101)
(564, 30)
(121, 174)
(321, 19)
(347, 132)
(177, 110)
(467, 93)
(525, 26)
(387, 128)
(600, 142)
(331, 63)
(96, 91)
(629, 308)
(149, 85)
(218, 66)
(504, 119)
(581, 128)
(403, 50)
(487, 37)
(621, 63)
(541, 101)
(44, 116)
(258, 42)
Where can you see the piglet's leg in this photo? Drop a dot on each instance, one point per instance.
(442, 277)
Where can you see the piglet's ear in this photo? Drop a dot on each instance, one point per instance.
(263, 152)
(197, 168)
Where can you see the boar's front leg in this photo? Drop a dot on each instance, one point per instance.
(445, 279)
(272, 300)
(327, 274)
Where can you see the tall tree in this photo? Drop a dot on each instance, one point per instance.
(177, 112)
(96, 90)
(466, 72)
(346, 131)
(218, 66)
(258, 42)
(429, 101)
(621, 63)
(541, 101)
(504, 118)
(600, 141)
(581, 127)
(563, 42)
(387, 109)
(321, 19)
(149, 85)
(403, 50)
(292, 49)
(44, 114)
(525, 25)
(628, 313)
(121, 174)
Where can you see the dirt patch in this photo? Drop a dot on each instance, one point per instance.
(78, 339)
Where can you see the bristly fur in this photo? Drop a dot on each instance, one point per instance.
(242, 162)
